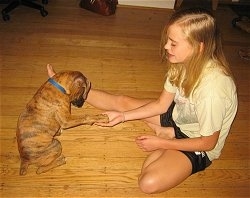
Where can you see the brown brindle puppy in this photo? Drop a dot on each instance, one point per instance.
(46, 114)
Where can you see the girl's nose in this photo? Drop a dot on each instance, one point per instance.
(166, 46)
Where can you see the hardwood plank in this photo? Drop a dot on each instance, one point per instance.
(82, 191)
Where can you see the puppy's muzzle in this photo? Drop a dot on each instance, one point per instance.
(78, 102)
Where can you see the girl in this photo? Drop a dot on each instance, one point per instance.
(195, 110)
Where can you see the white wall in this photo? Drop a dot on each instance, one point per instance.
(149, 3)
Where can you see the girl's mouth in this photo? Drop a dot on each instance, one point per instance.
(170, 55)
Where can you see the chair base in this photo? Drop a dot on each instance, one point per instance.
(11, 6)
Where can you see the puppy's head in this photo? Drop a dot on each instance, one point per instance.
(78, 88)
(76, 85)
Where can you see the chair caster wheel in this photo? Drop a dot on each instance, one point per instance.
(44, 13)
(6, 17)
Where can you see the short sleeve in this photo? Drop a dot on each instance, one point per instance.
(211, 113)
(169, 87)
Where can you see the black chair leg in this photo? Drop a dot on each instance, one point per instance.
(27, 3)
(9, 8)
(31, 4)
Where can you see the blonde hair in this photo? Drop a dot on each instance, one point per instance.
(199, 27)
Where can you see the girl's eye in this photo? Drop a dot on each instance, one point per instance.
(172, 43)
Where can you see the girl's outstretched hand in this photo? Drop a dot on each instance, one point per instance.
(149, 142)
(115, 117)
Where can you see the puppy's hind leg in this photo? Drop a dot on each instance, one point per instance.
(57, 162)
(51, 157)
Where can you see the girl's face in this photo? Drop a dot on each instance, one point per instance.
(177, 47)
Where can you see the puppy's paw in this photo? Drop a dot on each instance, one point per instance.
(102, 118)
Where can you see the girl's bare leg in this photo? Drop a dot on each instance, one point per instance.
(163, 170)
(106, 101)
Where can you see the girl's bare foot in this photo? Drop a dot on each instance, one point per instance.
(164, 132)
(50, 70)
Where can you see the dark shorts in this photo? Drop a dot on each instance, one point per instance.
(199, 160)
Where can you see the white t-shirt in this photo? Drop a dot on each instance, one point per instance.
(211, 108)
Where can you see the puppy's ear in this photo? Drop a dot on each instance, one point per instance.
(87, 89)
(77, 86)
(78, 82)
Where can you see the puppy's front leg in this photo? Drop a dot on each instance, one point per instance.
(68, 121)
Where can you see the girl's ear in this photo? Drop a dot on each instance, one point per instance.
(201, 47)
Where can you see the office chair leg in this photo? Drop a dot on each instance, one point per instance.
(31, 4)
(10, 7)
(27, 3)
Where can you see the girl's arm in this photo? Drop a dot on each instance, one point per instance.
(204, 143)
(151, 109)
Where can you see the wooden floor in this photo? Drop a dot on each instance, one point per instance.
(119, 54)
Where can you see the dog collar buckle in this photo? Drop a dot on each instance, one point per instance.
(55, 84)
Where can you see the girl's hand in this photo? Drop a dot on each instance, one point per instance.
(149, 142)
(115, 118)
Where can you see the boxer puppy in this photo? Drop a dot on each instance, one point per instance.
(46, 114)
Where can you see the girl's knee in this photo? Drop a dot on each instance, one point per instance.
(148, 184)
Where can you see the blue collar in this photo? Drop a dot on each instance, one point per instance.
(59, 87)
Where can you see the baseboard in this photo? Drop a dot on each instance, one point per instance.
(149, 3)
